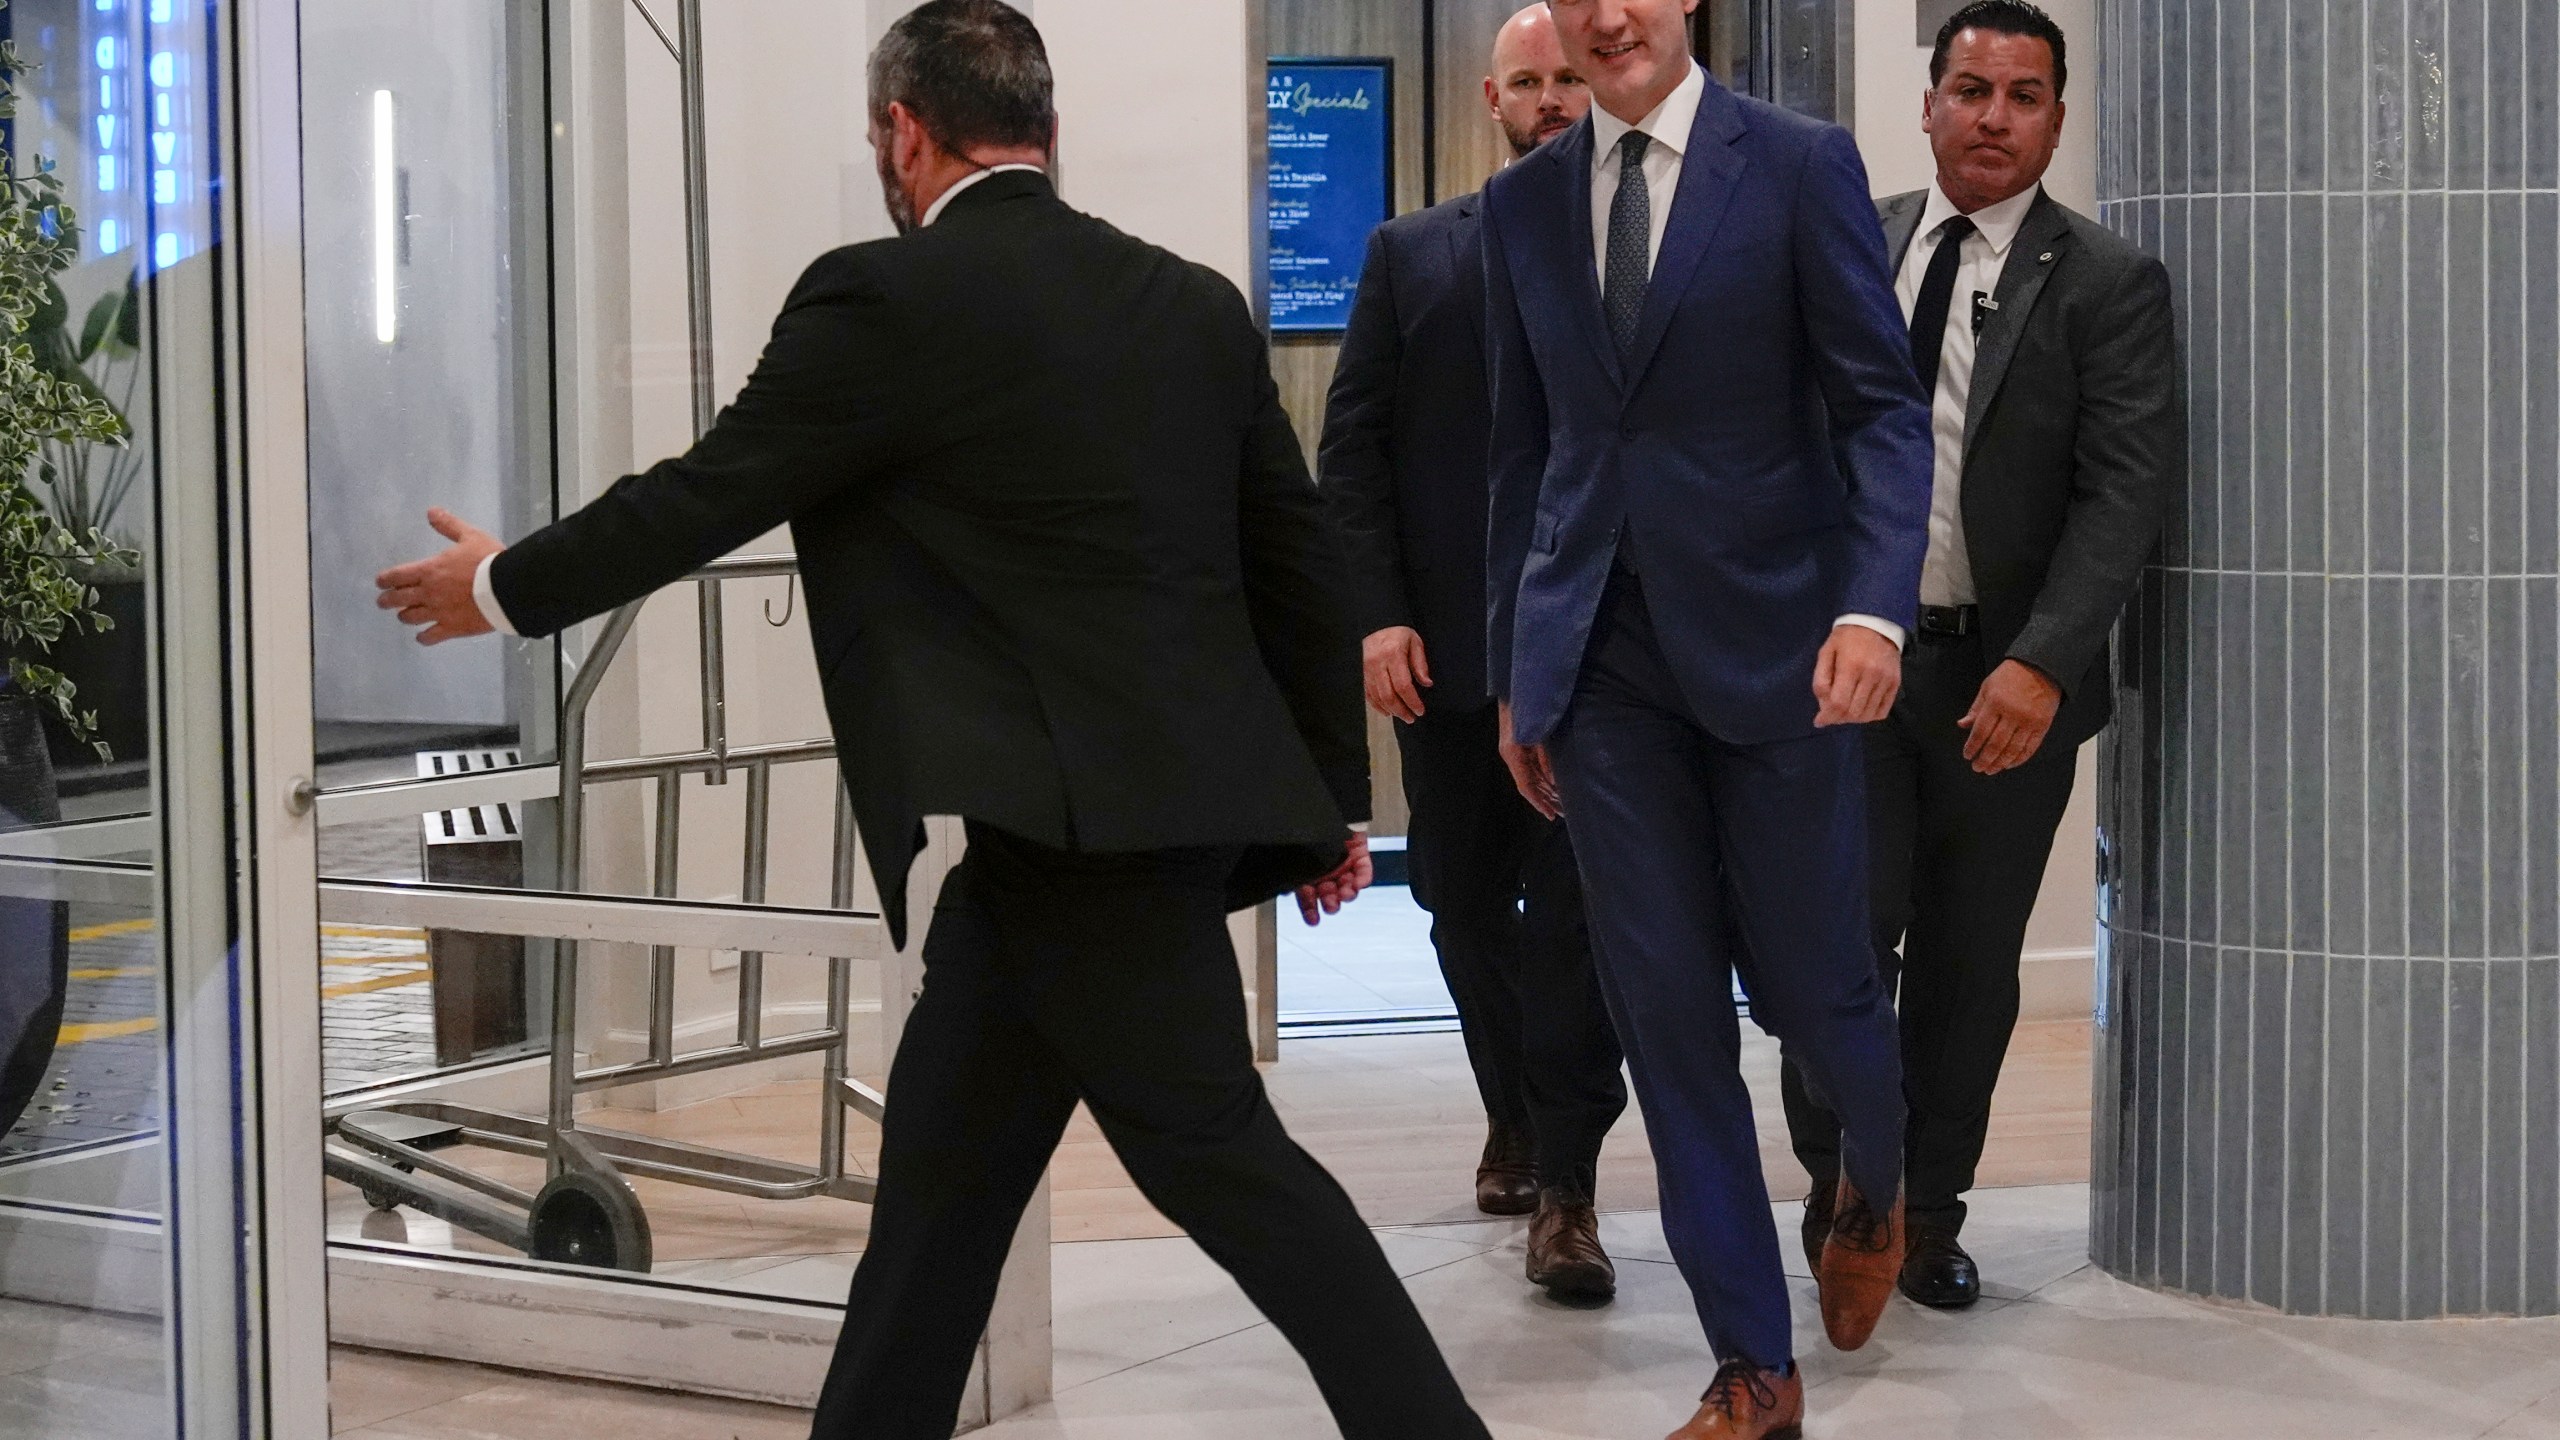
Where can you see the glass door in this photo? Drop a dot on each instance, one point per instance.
(159, 1271)
(606, 1005)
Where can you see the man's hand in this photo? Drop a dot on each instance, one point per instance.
(1531, 770)
(2010, 717)
(1340, 887)
(1396, 672)
(1857, 677)
(436, 592)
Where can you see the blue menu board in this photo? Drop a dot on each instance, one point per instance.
(1332, 151)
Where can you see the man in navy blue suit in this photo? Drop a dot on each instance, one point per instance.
(1711, 481)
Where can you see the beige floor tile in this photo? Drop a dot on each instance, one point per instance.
(525, 1408)
(367, 1387)
(37, 1337)
(1394, 1117)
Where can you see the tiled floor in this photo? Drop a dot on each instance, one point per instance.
(1395, 1117)
(1374, 958)
(376, 1023)
(1154, 1344)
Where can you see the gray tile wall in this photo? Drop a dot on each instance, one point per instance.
(2329, 1000)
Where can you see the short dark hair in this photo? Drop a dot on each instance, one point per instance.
(2003, 17)
(974, 73)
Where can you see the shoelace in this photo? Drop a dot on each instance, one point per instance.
(1736, 1382)
(1859, 1226)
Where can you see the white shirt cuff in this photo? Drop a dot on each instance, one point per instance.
(485, 595)
(1877, 623)
(1359, 827)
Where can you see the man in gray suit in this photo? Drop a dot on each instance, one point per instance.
(2049, 347)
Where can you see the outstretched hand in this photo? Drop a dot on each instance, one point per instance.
(1341, 885)
(435, 593)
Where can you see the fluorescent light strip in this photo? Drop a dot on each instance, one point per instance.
(386, 223)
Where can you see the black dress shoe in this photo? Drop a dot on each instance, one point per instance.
(1817, 1224)
(1937, 1273)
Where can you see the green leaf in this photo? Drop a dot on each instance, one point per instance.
(102, 319)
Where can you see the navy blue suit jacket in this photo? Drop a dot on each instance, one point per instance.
(1405, 429)
(1765, 450)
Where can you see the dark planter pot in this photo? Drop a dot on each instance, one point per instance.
(35, 935)
(113, 671)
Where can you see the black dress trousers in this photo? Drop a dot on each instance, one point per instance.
(1506, 918)
(1053, 976)
(1957, 860)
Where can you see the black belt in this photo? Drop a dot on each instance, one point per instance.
(1950, 622)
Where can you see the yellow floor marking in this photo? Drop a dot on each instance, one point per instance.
(119, 927)
(351, 932)
(379, 982)
(374, 932)
(106, 1030)
(114, 972)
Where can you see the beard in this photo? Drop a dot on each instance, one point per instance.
(1525, 141)
(901, 202)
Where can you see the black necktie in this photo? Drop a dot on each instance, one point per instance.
(1630, 243)
(1937, 293)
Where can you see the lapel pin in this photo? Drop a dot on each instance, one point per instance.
(2045, 259)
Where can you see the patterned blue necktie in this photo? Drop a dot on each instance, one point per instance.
(1630, 243)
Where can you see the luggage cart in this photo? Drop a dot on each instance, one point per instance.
(586, 1212)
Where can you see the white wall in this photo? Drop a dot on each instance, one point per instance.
(1154, 105)
(1892, 73)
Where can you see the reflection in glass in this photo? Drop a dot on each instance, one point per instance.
(108, 147)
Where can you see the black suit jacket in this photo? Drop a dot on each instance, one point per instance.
(1066, 572)
(2075, 438)
(1406, 432)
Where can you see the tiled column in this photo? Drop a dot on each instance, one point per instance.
(2328, 1065)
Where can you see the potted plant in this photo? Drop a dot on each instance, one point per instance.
(46, 591)
(86, 482)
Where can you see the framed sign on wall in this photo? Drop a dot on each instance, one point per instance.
(1332, 147)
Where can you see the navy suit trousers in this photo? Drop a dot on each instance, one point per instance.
(1699, 859)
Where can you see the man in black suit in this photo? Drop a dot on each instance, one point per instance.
(1403, 467)
(2049, 345)
(1068, 579)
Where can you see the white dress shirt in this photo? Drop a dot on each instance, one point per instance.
(1669, 125)
(485, 595)
(1946, 578)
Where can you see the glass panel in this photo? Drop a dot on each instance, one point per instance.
(426, 305)
(111, 111)
(725, 1138)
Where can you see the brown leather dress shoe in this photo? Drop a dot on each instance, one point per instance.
(1860, 1263)
(1565, 1258)
(1507, 1176)
(1747, 1403)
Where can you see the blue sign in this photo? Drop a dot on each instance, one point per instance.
(1332, 153)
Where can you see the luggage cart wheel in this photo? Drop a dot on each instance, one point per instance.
(581, 1219)
(382, 1199)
